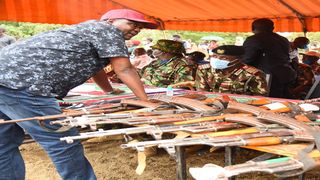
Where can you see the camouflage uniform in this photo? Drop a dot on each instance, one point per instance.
(316, 68)
(304, 82)
(171, 72)
(242, 80)
(162, 73)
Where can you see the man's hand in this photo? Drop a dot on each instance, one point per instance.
(116, 91)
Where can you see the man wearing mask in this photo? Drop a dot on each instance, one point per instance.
(36, 71)
(169, 66)
(298, 43)
(269, 52)
(226, 73)
(312, 59)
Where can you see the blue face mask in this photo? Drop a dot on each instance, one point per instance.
(303, 47)
(218, 63)
(308, 61)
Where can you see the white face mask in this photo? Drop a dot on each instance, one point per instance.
(156, 53)
(216, 63)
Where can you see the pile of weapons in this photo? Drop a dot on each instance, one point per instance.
(213, 122)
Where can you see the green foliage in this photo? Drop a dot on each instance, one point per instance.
(23, 30)
(229, 38)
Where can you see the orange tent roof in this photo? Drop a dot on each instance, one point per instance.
(197, 15)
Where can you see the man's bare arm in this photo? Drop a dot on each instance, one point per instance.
(101, 79)
(129, 76)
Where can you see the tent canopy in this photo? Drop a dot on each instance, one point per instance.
(195, 15)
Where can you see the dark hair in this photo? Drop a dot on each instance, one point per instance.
(301, 41)
(262, 24)
(176, 36)
(149, 52)
(139, 51)
(197, 55)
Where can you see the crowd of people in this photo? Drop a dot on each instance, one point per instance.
(266, 64)
(36, 71)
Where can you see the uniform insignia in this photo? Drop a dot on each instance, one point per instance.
(251, 70)
(220, 51)
(238, 72)
(204, 66)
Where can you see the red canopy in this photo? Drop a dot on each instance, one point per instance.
(196, 15)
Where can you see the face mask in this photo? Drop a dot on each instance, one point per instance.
(218, 63)
(303, 46)
(308, 61)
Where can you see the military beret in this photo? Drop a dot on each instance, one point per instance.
(197, 54)
(229, 50)
(169, 46)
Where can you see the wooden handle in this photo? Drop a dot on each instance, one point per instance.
(263, 141)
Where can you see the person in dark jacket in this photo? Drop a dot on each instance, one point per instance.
(269, 52)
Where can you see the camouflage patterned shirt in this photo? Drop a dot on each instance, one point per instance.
(52, 63)
(162, 74)
(242, 80)
(305, 80)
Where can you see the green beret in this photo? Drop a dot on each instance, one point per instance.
(169, 46)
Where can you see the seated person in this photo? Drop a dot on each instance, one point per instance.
(298, 43)
(305, 80)
(226, 73)
(312, 59)
(141, 58)
(169, 66)
(195, 59)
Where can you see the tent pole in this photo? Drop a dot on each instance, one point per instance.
(300, 16)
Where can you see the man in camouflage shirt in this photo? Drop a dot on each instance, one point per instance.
(305, 80)
(226, 74)
(35, 71)
(170, 67)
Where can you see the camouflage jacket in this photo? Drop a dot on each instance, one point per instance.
(316, 68)
(162, 74)
(304, 82)
(242, 80)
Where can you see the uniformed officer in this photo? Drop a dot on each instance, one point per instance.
(170, 67)
(226, 74)
(304, 82)
(312, 59)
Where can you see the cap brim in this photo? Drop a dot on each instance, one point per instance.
(146, 24)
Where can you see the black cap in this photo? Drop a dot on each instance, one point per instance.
(229, 50)
(197, 55)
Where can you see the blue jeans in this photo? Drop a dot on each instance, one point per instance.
(69, 159)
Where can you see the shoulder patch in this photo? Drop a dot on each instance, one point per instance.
(251, 69)
(204, 66)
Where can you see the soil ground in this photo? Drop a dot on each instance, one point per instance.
(110, 162)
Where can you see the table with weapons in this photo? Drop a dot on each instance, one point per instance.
(287, 130)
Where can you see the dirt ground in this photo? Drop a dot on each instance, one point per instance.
(111, 162)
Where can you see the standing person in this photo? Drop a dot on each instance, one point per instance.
(5, 39)
(269, 52)
(36, 70)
